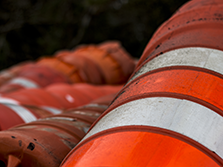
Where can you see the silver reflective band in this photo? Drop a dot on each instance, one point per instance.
(59, 118)
(211, 59)
(8, 100)
(24, 82)
(96, 105)
(25, 114)
(52, 110)
(185, 117)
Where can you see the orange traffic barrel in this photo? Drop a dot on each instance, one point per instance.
(31, 104)
(34, 97)
(33, 76)
(170, 111)
(81, 93)
(47, 141)
(13, 114)
(59, 96)
(197, 23)
(9, 73)
(66, 68)
(104, 63)
(87, 70)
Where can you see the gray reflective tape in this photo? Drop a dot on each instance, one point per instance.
(25, 114)
(211, 59)
(59, 118)
(96, 105)
(52, 110)
(24, 82)
(8, 100)
(185, 117)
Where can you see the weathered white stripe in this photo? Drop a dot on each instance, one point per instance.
(52, 110)
(211, 59)
(185, 117)
(8, 100)
(24, 82)
(59, 118)
(25, 114)
(96, 105)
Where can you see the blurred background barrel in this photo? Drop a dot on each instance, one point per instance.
(31, 104)
(47, 141)
(107, 63)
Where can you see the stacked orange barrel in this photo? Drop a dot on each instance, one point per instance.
(106, 63)
(27, 105)
(170, 112)
(9, 73)
(33, 76)
(45, 142)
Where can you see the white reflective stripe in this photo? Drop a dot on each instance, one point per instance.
(185, 117)
(25, 114)
(52, 110)
(96, 105)
(59, 118)
(8, 100)
(24, 82)
(211, 59)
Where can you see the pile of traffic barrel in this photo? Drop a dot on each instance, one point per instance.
(48, 105)
(168, 113)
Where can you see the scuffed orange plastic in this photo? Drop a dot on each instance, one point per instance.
(190, 84)
(196, 24)
(137, 149)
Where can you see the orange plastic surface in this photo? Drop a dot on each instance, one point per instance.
(45, 142)
(88, 70)
(10, 87)
(42, 75)
(64, 68)
(136, 149)
(8, 118)
(9, 73)
(68, 95)
(120, 55)
(179, 82)
(35, 97)
(196, 24)
(109, 67)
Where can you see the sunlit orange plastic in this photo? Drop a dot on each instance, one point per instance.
(66, 69)
(131, 147)
(196, 24)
